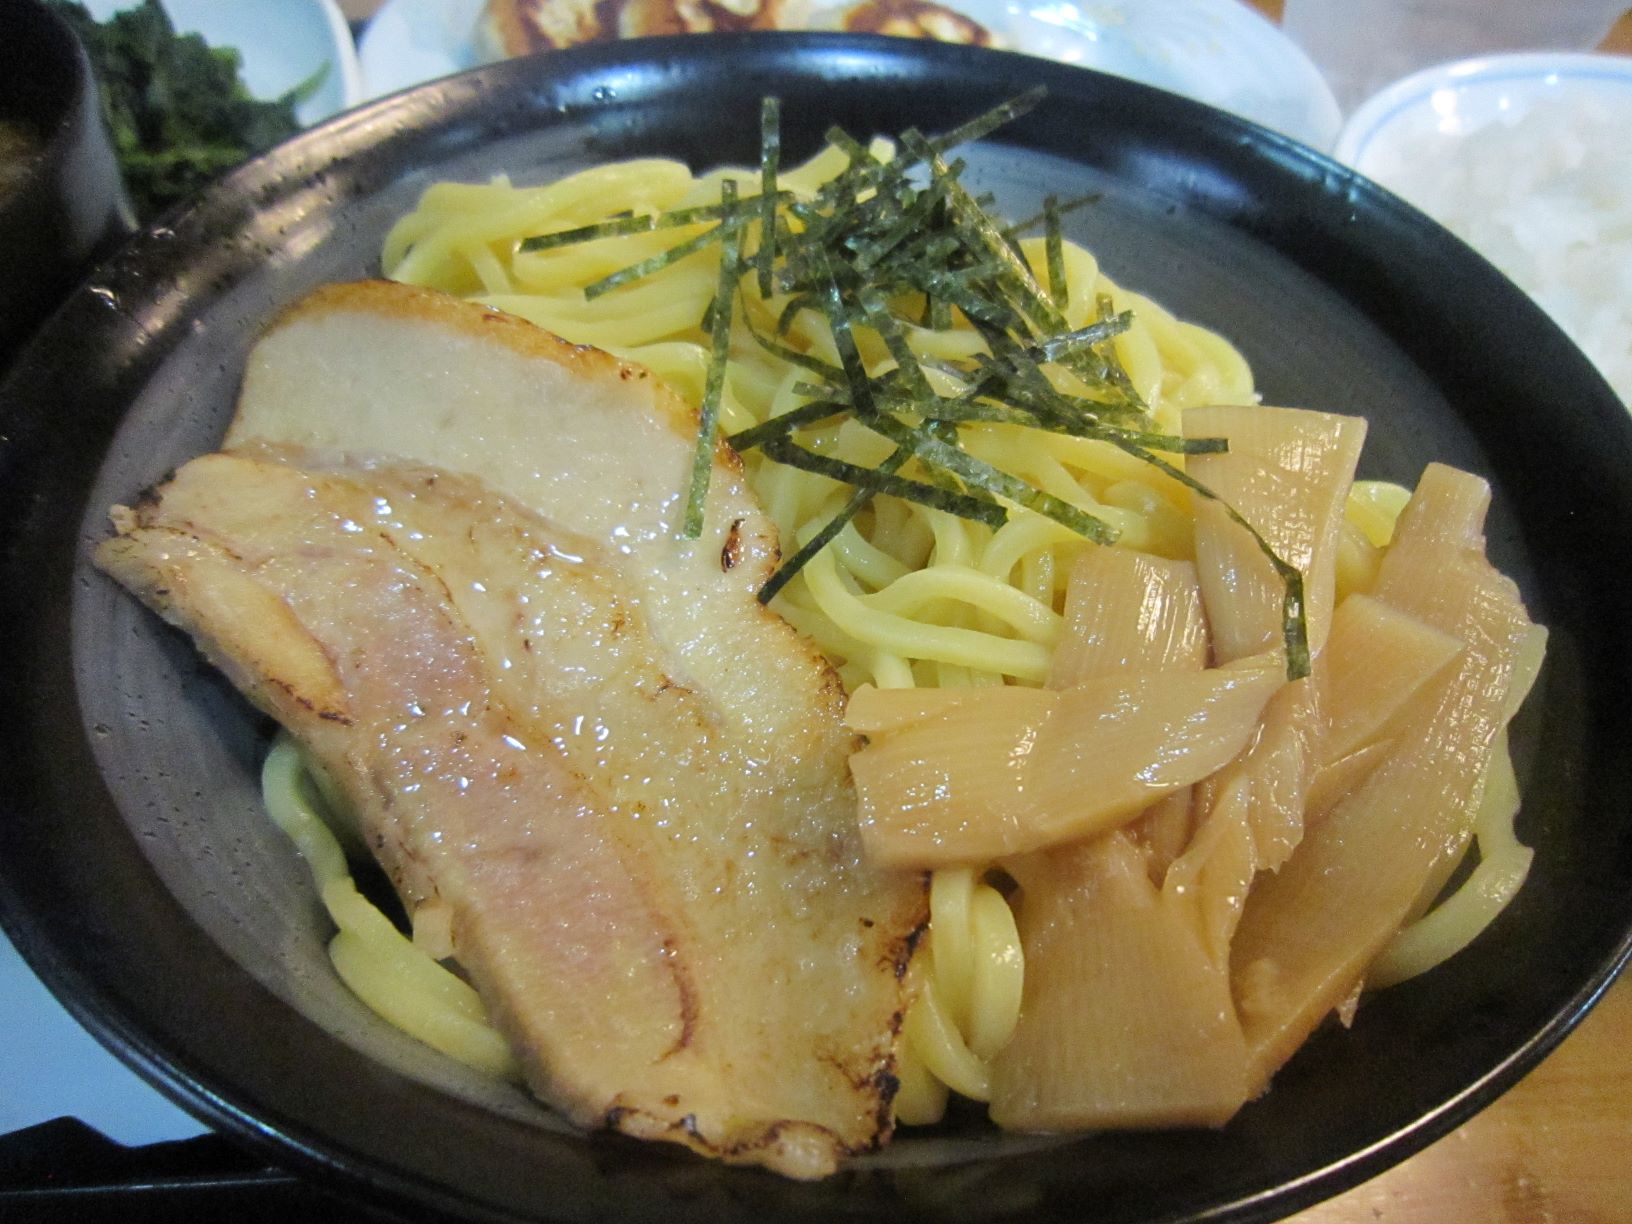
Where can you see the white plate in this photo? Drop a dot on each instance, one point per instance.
(1217, 51)
(279, 42)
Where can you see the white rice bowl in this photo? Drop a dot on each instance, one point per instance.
(1527, 159)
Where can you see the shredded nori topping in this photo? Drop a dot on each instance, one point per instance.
(719, 325)
(893, 246)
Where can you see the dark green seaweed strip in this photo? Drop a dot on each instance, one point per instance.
(662, 259)
(946, 365)
(932, 444)
(1029, 388)
(607, 229)
(989, 121)
(961, 410)
(975, 412)
(962, 288)
(1019, 251)
(1071, 414)
(1054, 247)
(848, 145)
(979, 474)
(620, 226)
(806, 213)
(865, 171)
(877, 313)
(831, 300)
(1171, 444)
(804, 361)
(1057, 347)
(1018, 280)
(910, 221)
(862, 397)
(853, 505)
(1033, 302)
(820, 391)
(980, 508)
(702, 464)
(770, 148)
(930, 255)
(1112, 370)
(1070, 206)
(1022, 382)
(779, 426)
(887, 386)
(799, 301)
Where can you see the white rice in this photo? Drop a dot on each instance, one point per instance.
(1547, 198)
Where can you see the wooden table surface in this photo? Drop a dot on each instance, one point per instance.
(1557, 1148)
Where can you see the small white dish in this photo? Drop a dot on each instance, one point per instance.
(1217, 51)
(280, 43)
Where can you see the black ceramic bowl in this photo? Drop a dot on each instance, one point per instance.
(70, 206)
(140, 877)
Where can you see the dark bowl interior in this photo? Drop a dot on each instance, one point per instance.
(70, 209)
(141, 879)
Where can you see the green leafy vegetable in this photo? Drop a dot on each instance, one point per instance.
(176, 110)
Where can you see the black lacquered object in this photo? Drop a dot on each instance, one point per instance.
(141, 879)
(70, 206)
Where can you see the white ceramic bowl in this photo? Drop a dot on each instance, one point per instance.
(1459, 98)
(1526, 158)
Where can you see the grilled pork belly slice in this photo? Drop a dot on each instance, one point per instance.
(596, 446)
(650, 861)
(672, 947)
